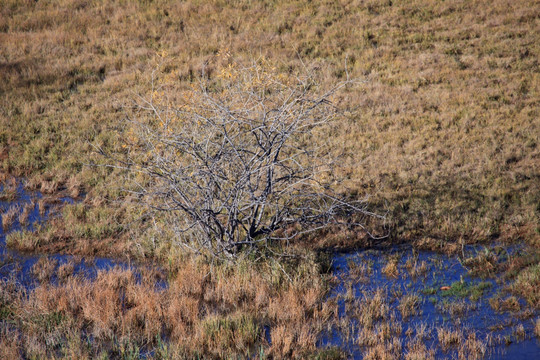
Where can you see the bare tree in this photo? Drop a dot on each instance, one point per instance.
(234, 161)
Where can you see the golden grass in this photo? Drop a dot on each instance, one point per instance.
(442, 134)
(449, 337)
(527, 283)
(442, 131)
(519, 332)
(27, 209)
(417, 350)
(391, 268)
(9, 188)
(384, 331)
(44, 268)
(416, 268)
(206, 310)
(472, 348)
(9, 216)
(455, 309)
(409, 305)
(511, 303)
(359, 271)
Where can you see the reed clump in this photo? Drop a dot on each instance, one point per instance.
(391, 268)
(527, 283)
(449, 337)
(10, 216)
(409, 305)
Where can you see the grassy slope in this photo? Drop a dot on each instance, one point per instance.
(444, 131)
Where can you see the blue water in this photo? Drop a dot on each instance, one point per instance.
(495, 329)
(18, 266)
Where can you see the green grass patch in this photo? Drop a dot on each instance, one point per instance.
(469, 290)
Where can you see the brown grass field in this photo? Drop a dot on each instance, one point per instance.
(442, 132)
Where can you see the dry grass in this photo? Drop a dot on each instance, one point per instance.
(416, 268)
(484, 264)
(472, 348)
(527, 284)
(44, 268)
(42, 206)
(24, 240)
(372, 307)
(27, 209)
(49, 187)
(65, 270)
(9, 344)
(456, 308)
(372, 322)
(391, 268)
(409, 305)
(468, 345)
(442, 131)
(9, 188)
(385, 351)
(519, 332)
(511, 303)
(206, 310)
(359, 271)
(417, 350)
(449, 337)
(9, 217)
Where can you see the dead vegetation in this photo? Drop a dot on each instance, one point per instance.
(409, 305)
(443, 134)
(204, 310)
(9, 217)
(372, 323)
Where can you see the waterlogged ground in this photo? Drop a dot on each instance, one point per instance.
(410, 304)
(22, 210)
(398, 303)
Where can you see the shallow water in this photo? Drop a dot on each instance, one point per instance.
(433, 271)
(17, 265)
(472, 311)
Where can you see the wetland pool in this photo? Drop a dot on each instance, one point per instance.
(395, 301)
(390, 300)
(28, 210)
